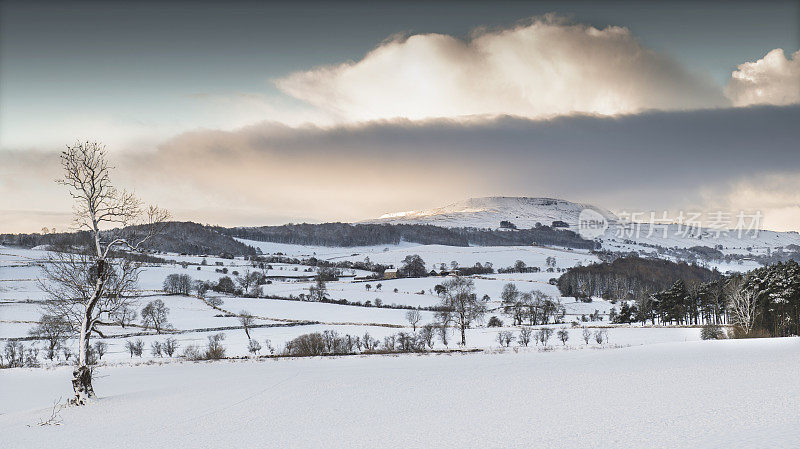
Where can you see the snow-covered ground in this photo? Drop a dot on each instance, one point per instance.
(730, 393)
(641, 385)
(21, 298)
(279, 321)
(434, 255)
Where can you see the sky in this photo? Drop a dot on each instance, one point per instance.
(251, 113)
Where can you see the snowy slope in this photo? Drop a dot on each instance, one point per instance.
(525, 212)
(488, 212)
(731, 393)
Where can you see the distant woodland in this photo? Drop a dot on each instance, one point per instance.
(344, 234)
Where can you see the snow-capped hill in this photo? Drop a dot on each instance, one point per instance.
(614, 234)
(488, 212)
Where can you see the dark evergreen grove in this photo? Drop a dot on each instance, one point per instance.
(194, 238)
(177, 237)
(777, 290)
(629, 278)
(344, 234)
(662, 292)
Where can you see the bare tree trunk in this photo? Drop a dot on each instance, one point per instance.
(83, 342)
(82, 376)
(82, 384)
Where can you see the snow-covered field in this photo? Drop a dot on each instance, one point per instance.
(641, 385)
(282, 320)
(728, 393)
(434, 255)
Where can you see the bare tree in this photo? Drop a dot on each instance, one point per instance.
(460, 305)
(67, 352)
(248, 282)
(544, 335)
(156, 349)
(525, 336)
(170, 346)
(413, 316)
(54, 330)
(743, 304)
(135, 347)
(587, 334)
(426, 334)
(505, 338)
(100, 347)
(511, 304)
(179, 284)
(88, 287)
(253, 346)
(125, 315)
(563, 335)
(14, 354)
(370, 344)
(154, 316)
(215, 350)
(247, 321)
(599, 337)
(268, 345)
(443, 331)
(319, 291)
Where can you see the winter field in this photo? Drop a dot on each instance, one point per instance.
(728, 393)
(282, 320)
(642, 384)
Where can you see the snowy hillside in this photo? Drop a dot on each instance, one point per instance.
(630, 234)
(487, 212)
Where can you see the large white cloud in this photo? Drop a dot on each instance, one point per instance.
(543, 68)
(773, 79)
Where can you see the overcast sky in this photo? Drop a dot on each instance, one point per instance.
(258, 113)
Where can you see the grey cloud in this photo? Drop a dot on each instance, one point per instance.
(652, 160)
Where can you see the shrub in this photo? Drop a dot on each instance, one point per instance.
(135, 348)
(178, 284)
(712, 332)
(253, 347)
(306, 345)
(495, 322)
(505, 338)
(215, 350)
(563, 335)
(191, 352)
(156, 349)
(100, 348)
(169, 346)
(225, 285)
(738, 332)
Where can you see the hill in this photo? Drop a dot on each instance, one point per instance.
(177, 237)
(488, 212)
